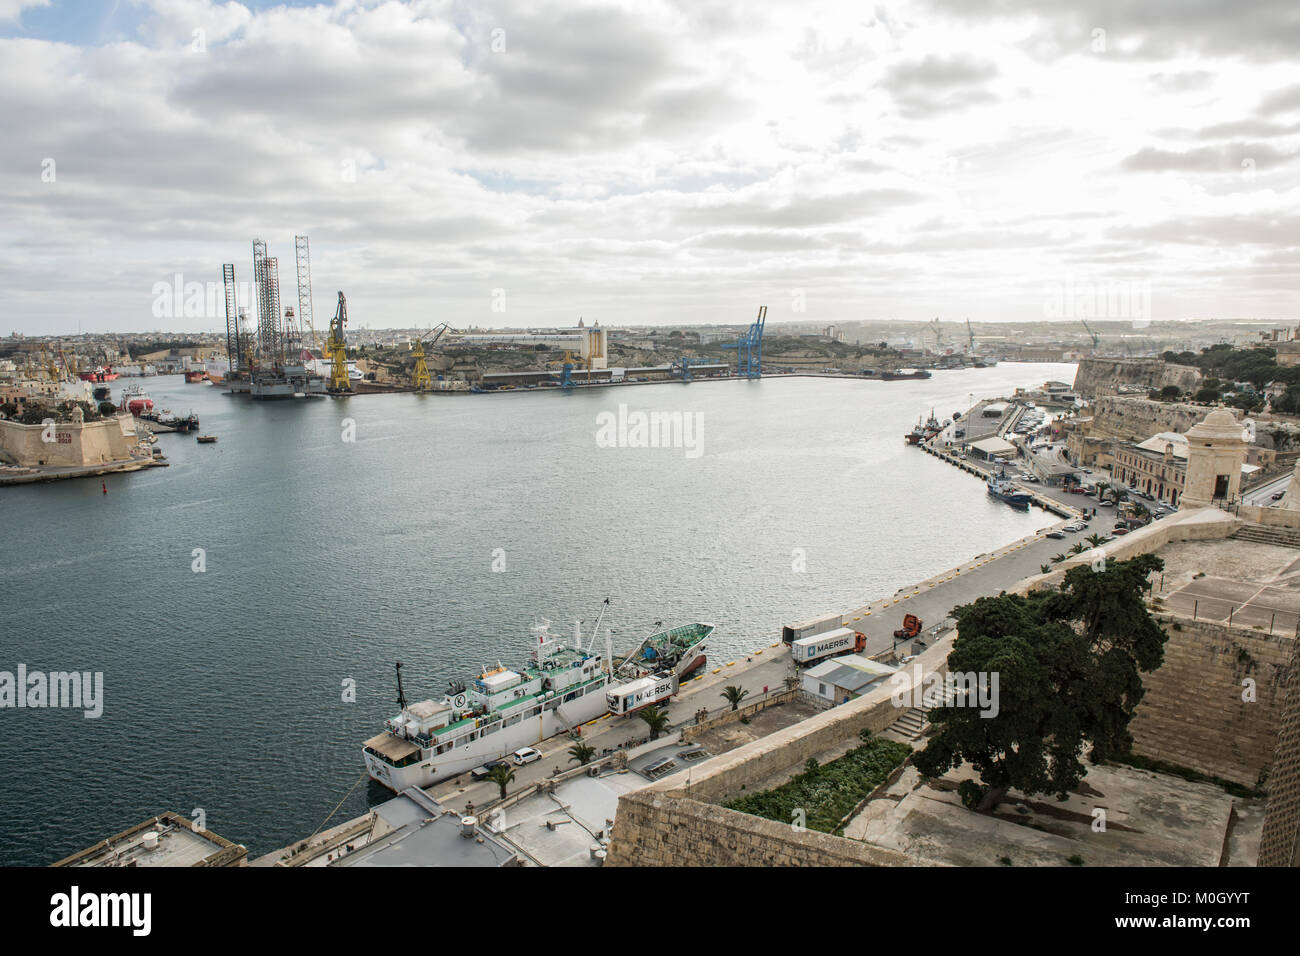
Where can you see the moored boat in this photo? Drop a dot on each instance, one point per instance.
(1002, 488)
(903, 373)
(503, 709)
(136, 400)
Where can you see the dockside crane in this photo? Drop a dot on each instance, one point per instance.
(1096, 339)
(422, 379)
(339, 384)
(971, 333)
(749, 348)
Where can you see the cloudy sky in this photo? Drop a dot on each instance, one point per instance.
(650, 161)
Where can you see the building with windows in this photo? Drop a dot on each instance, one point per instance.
(1157, 466)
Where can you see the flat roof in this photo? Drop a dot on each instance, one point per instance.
(178, 844)
(430, 841)
(993, 446)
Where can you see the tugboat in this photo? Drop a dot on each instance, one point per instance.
(932, 426)
(205, 439)
(916, 435)
(1002, 488)
(136, 400)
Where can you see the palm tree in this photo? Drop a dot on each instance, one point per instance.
(1045, 568)
(1058, 559)
(1101, 490)
(657, 719)
(734, 696)
(581, 753)
(1095, 539)
(1078, 548)
(502, 776)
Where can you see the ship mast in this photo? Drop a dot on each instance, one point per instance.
(596, 632)
(401, 694)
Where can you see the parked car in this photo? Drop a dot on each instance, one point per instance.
(1119, 529)
(479, 773)
(526, 755)
(1058, 534)
(1278, 495)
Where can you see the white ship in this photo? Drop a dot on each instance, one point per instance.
(502, 710)
(499, 712)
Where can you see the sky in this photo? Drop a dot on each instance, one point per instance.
(529, 162)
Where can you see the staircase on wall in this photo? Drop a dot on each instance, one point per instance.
(1281, 537)
(912, 724)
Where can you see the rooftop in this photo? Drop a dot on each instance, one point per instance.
(165, 840)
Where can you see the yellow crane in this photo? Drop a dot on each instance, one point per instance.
(338, 353)
(421, 378)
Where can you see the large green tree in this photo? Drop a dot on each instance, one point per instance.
(1069, 667)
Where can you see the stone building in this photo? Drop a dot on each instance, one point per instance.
(1216, 450)
(1157, 466)
(75, 443)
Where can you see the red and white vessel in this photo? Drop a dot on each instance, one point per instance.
(135, 400)
(103, 373)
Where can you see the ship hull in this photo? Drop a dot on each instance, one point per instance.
(1014, 500)
(432, 768)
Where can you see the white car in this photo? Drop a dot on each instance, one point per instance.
(526, 755)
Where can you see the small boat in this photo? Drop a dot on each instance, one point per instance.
(1002, 488)
(205, 439)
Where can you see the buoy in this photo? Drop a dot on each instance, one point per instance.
(103, 484)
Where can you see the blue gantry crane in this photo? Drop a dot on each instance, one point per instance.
(682, 367)
(749, 350)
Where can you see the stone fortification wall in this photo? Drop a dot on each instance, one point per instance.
(1097, 376)
(75, 443)
(1193, 713)
(1137, 419)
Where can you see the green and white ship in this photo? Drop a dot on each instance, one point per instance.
(502, 710)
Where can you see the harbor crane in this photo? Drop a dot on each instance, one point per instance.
(682, 367)
(421, 380)
(749, 348)
(567, 365)
(1096, 339)
(971, 333)
(339, 383)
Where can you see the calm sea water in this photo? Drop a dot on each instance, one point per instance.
(326, 560)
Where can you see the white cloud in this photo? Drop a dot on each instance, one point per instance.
(646, 161)
(12, 9)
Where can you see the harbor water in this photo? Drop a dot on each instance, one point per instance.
(246, 604)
